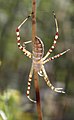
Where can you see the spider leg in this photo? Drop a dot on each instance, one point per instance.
(40, 73)
(29, 85)
(21, 47)
(55, 39)
(24, 43)
(27, 42)
(59, 90)
(56, 56)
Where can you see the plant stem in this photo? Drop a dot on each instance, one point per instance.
(35, 72)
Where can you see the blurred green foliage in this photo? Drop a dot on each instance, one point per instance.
(10, 105)
(15, 67)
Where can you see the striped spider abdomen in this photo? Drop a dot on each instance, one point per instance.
(38, 51)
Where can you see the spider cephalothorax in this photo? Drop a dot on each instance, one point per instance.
(38, 60)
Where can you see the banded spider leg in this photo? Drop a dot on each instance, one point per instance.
(22, 47)
(59, 90)
(29, 84)
(54, 57)
(27, 53)
(55, 39)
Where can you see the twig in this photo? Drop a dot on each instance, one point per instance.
(35, 72)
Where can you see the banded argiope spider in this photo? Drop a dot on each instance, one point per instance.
(38, 60)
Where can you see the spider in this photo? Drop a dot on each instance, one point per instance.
(38, 60)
